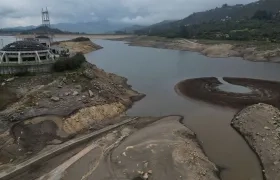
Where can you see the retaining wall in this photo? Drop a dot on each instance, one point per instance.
(24, 68)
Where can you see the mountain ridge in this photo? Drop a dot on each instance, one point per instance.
(233, 12)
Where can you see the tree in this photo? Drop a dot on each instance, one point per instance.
(225, 6)
(262, 15)
(184, 32)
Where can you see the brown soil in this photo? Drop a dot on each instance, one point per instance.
(260, 126)
(205, 89)
(216, 50)
(82, 46)
(6, 98)
(157, 148)
(78, 101)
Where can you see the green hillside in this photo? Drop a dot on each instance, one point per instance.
(221, 14)
(235, 12)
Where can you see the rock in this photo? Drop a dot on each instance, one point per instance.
(267, 128)
(146, 164)
(78, 87)
(59, 86)
(89, 73)
(150, 172)
(55, 141)
(146, 176)
(67, 94)
(278, 129)
(10, 79)
(3, 84)
(75, 93)
(47, 94)
(90, 93)
(83, 96)
(54, 98)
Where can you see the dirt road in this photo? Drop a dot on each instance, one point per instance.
(164, 150)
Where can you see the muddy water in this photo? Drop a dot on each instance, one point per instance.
(155, 72)
(227, 87)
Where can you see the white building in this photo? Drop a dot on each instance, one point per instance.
(25, 52)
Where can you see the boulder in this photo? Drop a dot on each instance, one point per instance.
(75, 93)
(54, 98)
(90, 93)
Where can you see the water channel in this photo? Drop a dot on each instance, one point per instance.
(155, 72)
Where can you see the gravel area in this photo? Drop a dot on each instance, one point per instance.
(260, 125)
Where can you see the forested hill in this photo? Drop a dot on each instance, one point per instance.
(36, 30)
(235, 12)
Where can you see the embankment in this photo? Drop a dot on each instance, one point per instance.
(215, 50)
(79, 44)
(260, 126)
(78, 100)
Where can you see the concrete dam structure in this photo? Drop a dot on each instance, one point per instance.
(25, 56)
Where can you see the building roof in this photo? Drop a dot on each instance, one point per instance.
(24, 46)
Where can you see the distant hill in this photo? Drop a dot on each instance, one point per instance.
(19, 28)
(99, 27)
(129, 29)
(235, 12)
(43, 30)
(30, 30)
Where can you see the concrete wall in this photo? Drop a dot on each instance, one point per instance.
(36, 68)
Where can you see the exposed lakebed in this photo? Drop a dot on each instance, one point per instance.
(155, 72)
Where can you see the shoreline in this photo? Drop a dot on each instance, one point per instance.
(78, 45)
(59, 105)
(213, 49)
(53, 108)
(259, 126)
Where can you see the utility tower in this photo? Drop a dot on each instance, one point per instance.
(46, 18)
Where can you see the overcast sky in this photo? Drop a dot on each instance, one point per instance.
(144, 12)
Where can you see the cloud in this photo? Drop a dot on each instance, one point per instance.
(27, 12)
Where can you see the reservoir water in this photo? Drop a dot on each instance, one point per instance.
(155, 72)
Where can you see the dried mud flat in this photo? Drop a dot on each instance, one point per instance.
(259, 123)
(206, 89)
(260, 126)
